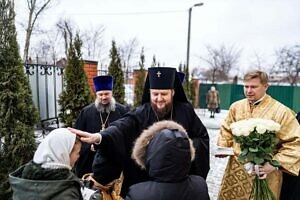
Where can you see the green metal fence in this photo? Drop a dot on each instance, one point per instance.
(229, 93)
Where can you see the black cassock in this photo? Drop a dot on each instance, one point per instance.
(290, 184)
(118, 139)
(89, 120)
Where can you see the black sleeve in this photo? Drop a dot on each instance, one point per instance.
(118, 138)
(198, 133)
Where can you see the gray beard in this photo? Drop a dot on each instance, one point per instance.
(111, 106)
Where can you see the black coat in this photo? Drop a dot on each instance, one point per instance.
(117, 140)
(165, 152)
(192, 188)
(89, 120)
(290, 187)
(290, 184)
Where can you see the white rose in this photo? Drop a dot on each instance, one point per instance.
(236, 131)
(250, 125)
(273, 126)
(276, 127)
(236, 128)
(261, 129)
(245, 131)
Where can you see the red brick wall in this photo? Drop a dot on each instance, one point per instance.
(90, 68)
(196, 103)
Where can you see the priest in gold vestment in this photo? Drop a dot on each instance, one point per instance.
(237, 183)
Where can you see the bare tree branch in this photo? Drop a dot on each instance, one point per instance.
(93, 42)
(66, 29)
(287, 65)
(128, 51)
(220, 62)
(48, 48)
(35, 8)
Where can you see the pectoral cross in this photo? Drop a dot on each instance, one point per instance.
(104, 122)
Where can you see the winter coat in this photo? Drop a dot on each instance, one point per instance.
(44, 184)
(192, 188)
(165, 152)
(212, 99)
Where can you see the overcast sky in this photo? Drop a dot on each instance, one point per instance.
(255, 26)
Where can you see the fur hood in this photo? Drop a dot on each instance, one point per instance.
(142, 142)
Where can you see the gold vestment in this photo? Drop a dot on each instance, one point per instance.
(236, 182)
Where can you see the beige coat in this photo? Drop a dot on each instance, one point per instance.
(212, 99)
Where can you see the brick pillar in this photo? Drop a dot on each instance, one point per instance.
(196, 102)
(90, 68)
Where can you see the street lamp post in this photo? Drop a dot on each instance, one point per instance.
(189, 34)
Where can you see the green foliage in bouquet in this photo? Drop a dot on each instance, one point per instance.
(258, 148)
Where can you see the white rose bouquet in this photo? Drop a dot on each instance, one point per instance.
(257, 139)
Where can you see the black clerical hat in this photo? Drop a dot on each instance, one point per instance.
(181, 76)
(163, 78)
(103, 83)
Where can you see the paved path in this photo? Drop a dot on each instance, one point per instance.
(217, 165)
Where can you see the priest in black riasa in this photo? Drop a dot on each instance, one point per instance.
(93, 118)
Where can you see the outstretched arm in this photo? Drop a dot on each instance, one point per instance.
(90, 138)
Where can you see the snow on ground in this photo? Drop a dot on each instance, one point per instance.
(217, 165)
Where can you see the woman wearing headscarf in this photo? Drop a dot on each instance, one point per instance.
(48, 175)
(165, 152)
(213, 100)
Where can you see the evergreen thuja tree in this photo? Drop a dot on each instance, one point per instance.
(115, 70)
(140, 81)
(18, 114)
(76, 94)
(188, 85)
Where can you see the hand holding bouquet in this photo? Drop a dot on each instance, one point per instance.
(257, 139)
